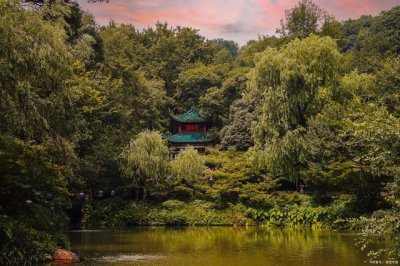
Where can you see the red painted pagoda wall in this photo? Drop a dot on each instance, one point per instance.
(191, 128)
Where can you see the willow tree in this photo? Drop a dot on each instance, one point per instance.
(145, 159)
(293, 82)
(188, 165)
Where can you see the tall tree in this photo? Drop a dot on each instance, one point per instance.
(194, 83)
(291, 81)
(237, 130)
(306, 18)
(216, 101)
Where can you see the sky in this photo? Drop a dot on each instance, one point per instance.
(238, 20)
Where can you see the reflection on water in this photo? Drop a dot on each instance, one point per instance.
(216, 246)
(126, 258)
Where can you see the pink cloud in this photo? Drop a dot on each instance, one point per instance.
(205, 14)
(239, 20)
(272, 11)
(345, 9)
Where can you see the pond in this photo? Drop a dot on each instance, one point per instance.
(216, 246)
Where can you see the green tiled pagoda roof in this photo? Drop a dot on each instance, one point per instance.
(190, 137)
(191, 116)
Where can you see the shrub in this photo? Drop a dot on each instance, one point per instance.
(257, 201)
(340, 209)
(173, 204)
(182, 193)
(22, 245)
(381, 226)
(171, 212)
(229, 195)
(288, 216)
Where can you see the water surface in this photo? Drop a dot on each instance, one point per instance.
(216, 246)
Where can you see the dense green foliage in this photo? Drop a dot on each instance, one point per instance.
(171, 212)
(292, 82)
(188, 165)
(144, 159)
(315, 110)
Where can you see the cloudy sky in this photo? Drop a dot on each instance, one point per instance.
(238, 20)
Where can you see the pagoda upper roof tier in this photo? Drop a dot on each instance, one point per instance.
(191, 116)
(195, 137)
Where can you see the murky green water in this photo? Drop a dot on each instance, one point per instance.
(216, 246)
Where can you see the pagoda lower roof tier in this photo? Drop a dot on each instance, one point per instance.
(190, 138)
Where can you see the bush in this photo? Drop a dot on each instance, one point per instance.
(340, 209)
(277, 209)
(173, 204)
(258, 201)
(22, 245)
(175, 218)
(283, 199)
(229, 195)
(288, 216)
(381, 226)
(172, 212)
(182, 193)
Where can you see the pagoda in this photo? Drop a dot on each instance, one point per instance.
(190, 129)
